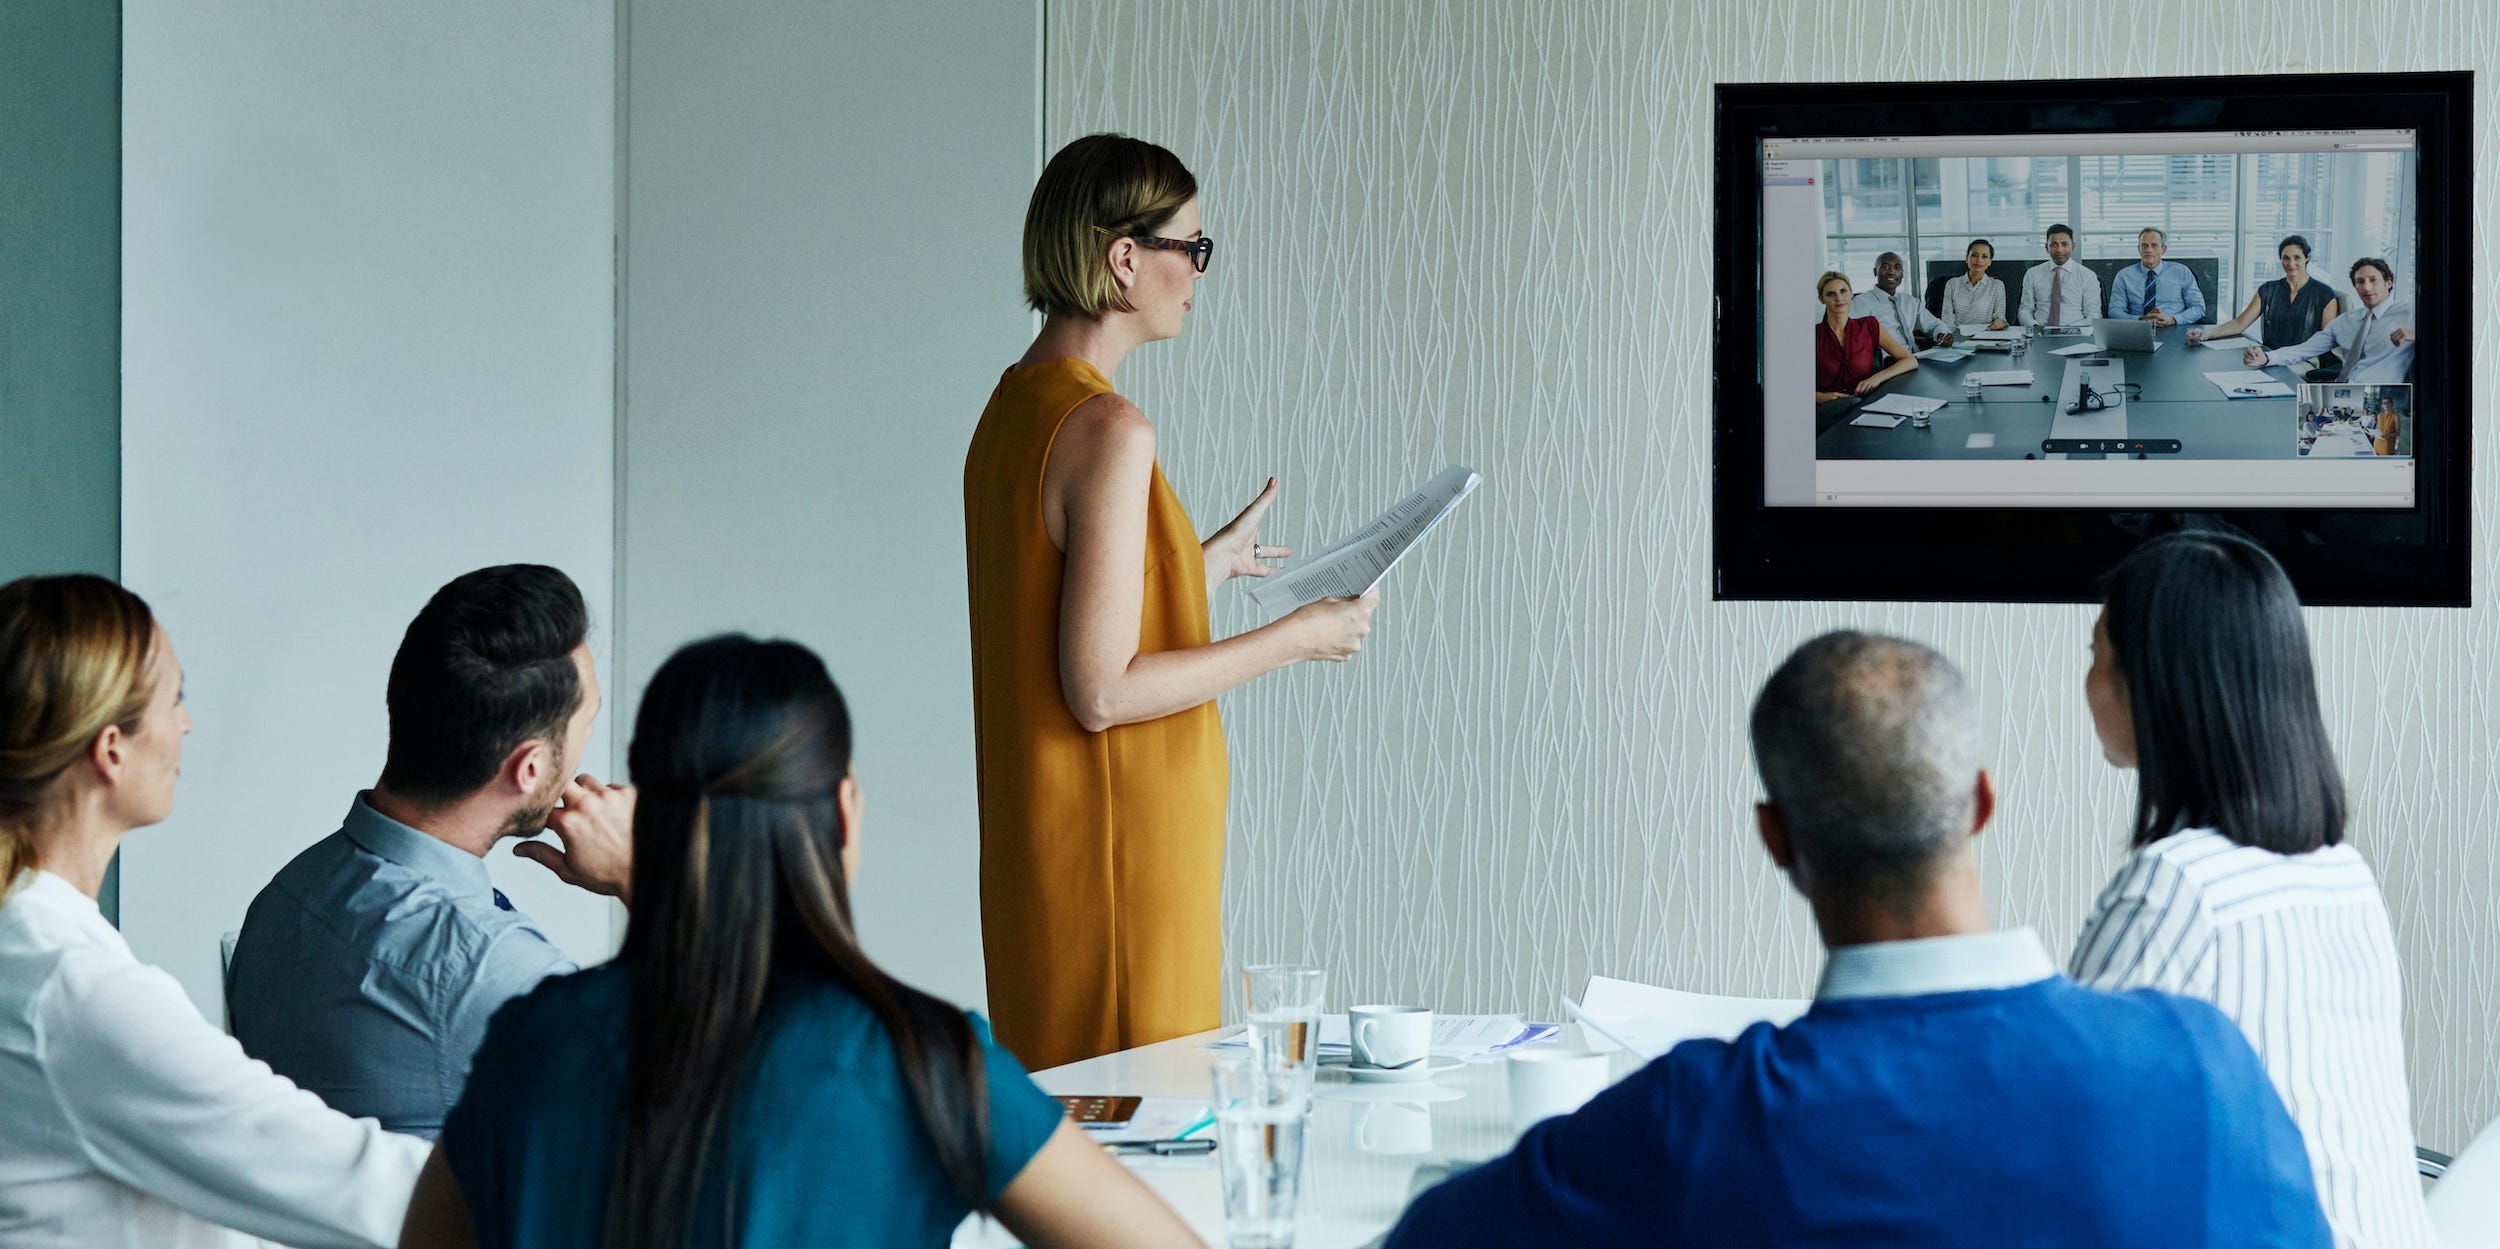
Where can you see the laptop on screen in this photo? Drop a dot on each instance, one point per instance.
(2126, 335)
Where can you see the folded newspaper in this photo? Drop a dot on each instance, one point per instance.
(1356, 562)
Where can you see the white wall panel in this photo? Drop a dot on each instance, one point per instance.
(823, 207)
(1480, 233)
(367, 305)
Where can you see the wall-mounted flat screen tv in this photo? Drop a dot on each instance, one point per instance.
(1977, 340)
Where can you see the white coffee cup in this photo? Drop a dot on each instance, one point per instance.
(1393, 1128)
(1390, 1036)
(1549, 1082)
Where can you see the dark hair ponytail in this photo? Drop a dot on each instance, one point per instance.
(739, 752)
(2209, 640)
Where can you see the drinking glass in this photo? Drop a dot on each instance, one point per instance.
(1282, 1001)
(1261, 1114)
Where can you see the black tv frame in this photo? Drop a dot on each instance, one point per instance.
(2377, 557)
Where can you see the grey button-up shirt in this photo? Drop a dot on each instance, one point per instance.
(369, 966)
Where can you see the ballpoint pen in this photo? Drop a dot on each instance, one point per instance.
(1164, 1148)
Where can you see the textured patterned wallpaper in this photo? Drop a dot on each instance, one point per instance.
(1478, 232)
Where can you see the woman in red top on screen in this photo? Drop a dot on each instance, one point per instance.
(1845, 347)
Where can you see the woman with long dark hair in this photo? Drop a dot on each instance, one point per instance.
(742, 1074)
(2240, 888)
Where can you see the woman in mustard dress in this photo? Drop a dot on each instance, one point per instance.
(1094, 673)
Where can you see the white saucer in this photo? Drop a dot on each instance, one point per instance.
(1415, 1074)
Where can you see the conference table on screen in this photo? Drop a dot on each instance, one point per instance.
(1368, 1148)
(2176, 403)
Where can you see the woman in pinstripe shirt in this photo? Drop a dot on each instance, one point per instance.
(2240, 888)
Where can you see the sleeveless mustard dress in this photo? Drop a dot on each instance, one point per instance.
(1102, 854)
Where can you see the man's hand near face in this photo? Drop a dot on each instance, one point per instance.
(596, 827)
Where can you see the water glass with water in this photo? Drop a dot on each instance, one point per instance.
(1282, 1002)
(1261, 1116)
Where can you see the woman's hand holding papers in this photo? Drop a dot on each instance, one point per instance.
(1332, 628)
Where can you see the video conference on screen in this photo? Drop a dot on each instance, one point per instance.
(2092, 320)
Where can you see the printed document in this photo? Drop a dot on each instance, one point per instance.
(1903, 405)
(1356, 562)
(2249, 384)
(1651, 1020)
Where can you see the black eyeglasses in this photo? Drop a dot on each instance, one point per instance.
(1200, 250)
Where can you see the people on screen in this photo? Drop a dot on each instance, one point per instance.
(1974, 298)
(2390, 424)
(2375, 339)
(2063, 291)
(367, 969)
(1095, 667)
(126, 1119)
(2240, 889)
(743, 1073)
(1845, 347)
(1948, 1087)
(2286, 310)
(1899, 310)
(2156, 291)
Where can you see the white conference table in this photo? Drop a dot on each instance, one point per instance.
(1361, 1157)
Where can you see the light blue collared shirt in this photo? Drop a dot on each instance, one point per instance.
(1985, 960)
(2365, 338)
(2174, 290)
(1902, 312)
(369, 966)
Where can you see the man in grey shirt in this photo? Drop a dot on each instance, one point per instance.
(2375, 339)
(368, 967)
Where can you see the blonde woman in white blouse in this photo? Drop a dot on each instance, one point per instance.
(2240, 889)
(126, 1119)
(1974, 298)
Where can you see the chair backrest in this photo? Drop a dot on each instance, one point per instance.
(2465, 1203)
(225, 973)
(1935, 291)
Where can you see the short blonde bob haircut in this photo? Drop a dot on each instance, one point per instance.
(1099, 188)
(74, 656)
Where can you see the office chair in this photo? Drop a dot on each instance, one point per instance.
(2464, 1199)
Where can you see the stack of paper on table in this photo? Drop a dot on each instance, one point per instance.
(1903, 405)
(2006, 335)
(2229, 344)
(1453, 1036)
(1652, 1020)
(2079, 349)
(1876, 420)
(1944, 355)
(2002, 377)
(2249, 384)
